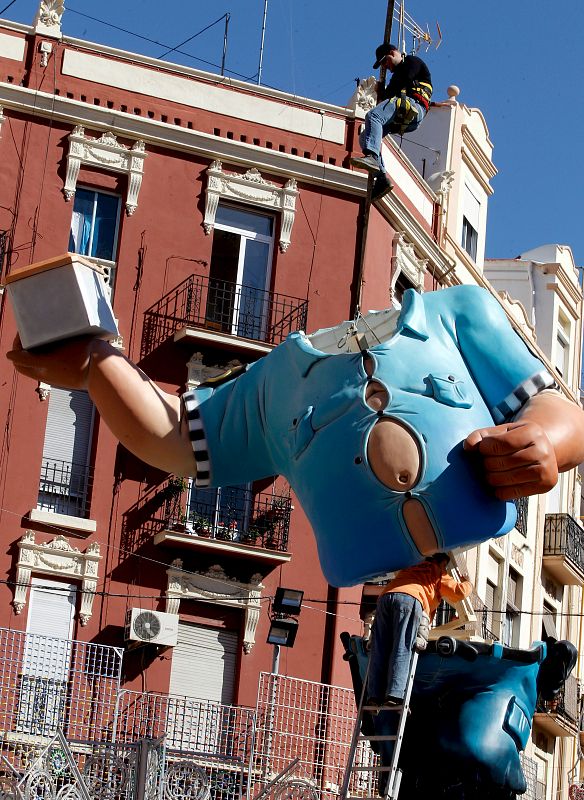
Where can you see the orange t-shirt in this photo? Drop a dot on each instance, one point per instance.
(427, 584)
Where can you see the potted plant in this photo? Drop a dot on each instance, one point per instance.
(202, 527)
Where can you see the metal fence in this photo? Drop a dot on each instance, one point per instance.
(564, 537)
(65, 487)
(48, 683)
(536, 790)
(206, 743)
(312, 722)
(223, 306)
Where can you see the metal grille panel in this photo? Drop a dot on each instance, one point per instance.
(35, 701)
(310, 721)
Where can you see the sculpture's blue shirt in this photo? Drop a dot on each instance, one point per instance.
(453, 364)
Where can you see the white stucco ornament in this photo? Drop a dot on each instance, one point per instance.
(108, 154)
(48, 18)
(253, 189)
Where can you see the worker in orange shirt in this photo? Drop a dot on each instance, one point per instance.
(399, 611)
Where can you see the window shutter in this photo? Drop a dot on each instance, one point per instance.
(471, 208)
(69, 426)
(204, 663)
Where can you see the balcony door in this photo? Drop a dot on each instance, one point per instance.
(65, 471)
(239, 275)
(46, 658)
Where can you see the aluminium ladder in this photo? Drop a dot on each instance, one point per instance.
(394, 774)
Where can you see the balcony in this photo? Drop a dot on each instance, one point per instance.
(563, 549)
(233, 520)
(64, 489)
(560, 717)
(228, 314)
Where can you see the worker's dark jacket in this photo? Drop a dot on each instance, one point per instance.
(407, 77)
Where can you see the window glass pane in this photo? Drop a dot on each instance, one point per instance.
(244, 220)
(93, 224)
(80, 236)
(104, 234)
(252, 305)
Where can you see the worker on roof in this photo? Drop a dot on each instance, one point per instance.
(404, 103)
(414, 592)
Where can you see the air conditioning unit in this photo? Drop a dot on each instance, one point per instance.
(151, 627)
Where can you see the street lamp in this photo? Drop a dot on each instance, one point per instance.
(286, 605)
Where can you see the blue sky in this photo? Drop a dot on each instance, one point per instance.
(520, 62)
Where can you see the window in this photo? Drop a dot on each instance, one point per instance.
(239, 275)
(470, 238)
(94, 227)
(66, 473)
(46, 658)
(470, 222)
(225, 510)
(402, 283)
(202, 675)
(548, 623)
(562, 350)
(512, 612)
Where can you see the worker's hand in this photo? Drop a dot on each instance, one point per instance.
(64, 364)
(518, 458)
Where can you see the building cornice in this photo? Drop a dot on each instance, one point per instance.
(207, 77)
(477, 160)
(163, 134)
(565, 288)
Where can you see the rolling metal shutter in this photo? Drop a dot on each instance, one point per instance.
(69, 426)
(204, 663)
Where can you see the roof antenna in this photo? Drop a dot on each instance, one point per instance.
(262, 42)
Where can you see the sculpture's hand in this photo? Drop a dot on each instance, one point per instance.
(64, 364)
(518, 458)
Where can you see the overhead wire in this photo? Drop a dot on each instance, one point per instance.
(154, 41)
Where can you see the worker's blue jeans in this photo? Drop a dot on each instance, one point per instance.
(397, 619)
(378, 123)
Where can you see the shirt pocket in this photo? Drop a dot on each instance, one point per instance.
(451, 391)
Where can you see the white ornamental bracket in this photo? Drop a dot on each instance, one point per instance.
(215, 587)
(48, 19)
(252, 189)
(405, 261)
(59, 559)
(108, 154)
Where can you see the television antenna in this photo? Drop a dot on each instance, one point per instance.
(407, 25)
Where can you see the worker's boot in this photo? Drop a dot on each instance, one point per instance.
(370, 162)
(381, 186)
(423, 633)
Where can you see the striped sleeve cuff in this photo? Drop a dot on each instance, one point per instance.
(198, 439)
(527, 389)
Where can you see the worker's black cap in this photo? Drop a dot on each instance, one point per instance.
(382, 51)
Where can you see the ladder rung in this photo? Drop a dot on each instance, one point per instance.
(372, 769)
(378, 737)
(377, 709)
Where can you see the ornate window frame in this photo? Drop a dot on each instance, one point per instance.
(254, 190)
(107, 153)
(214, 586)
(58, 559)
(405, 260)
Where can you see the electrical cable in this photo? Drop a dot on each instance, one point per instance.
(190, 39)
(8, 6)
(154, 41)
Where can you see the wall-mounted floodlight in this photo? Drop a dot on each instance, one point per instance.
(288, 601)
(282, 632)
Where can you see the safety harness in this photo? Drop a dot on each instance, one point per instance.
(405, 113)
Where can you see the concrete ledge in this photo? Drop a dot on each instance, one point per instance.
(63, 520)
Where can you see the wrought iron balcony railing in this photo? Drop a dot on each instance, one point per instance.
(65, 487)
(223, 306)
(232, 514)
(563, 536)
(522, 504)
(565, 704)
